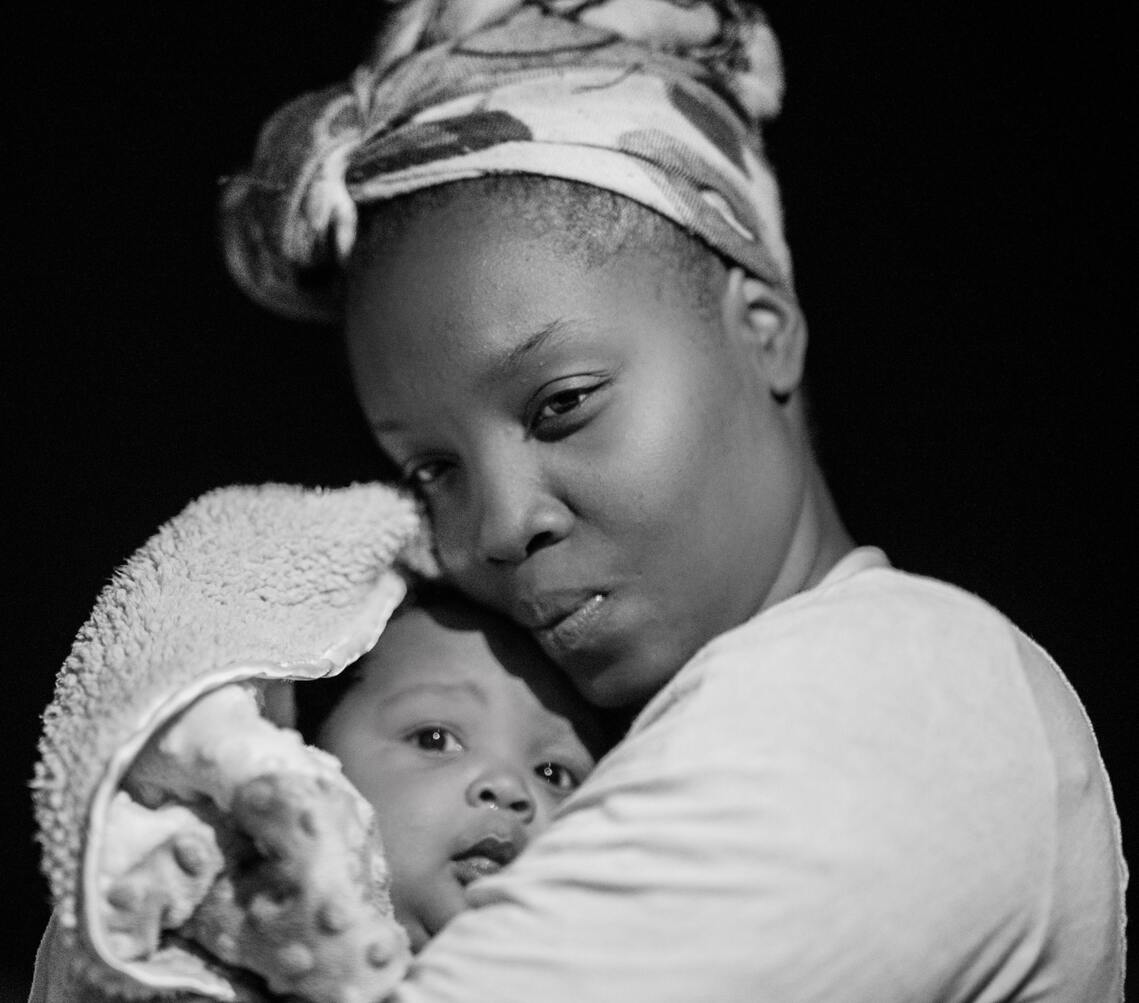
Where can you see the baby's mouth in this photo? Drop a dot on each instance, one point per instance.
(488, 856)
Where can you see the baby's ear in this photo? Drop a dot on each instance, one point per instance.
(767, 321)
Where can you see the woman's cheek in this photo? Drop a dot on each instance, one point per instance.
(633, 475)
(451, 538)
(462, 570)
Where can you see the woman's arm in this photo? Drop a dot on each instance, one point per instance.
(885, 793)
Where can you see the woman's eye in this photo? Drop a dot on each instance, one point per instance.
(551, 414)
(562, 403)
(435, 739)
(560, 777)
(423, 475)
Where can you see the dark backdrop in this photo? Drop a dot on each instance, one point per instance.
(955, 194)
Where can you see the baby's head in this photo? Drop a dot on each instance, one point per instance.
(465, 739)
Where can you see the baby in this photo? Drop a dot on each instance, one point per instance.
(465, 738)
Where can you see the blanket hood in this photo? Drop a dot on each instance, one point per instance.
(248, 584)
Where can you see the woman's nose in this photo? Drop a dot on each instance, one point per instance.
(518, 515)
(504, 789)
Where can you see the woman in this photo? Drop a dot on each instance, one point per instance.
(570, 314)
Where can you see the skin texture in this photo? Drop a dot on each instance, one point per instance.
(589, 442)
(458, 729)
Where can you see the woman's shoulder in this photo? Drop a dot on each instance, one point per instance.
(875, 596)
(942, 743)
(879, 642)
(904, 738)
(876, 613)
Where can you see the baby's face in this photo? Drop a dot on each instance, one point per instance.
(465, 739)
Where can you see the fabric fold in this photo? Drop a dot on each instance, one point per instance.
(254, 585)
(660, 101)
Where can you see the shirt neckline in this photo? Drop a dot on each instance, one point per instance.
(859, 559)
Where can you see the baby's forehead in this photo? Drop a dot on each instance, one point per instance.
(452, 652)
(448, 622)
(454, 647)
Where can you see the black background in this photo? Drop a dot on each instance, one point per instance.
(959, 207)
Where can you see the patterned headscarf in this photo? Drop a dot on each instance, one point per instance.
(657, 100)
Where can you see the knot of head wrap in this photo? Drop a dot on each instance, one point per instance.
(657, 100)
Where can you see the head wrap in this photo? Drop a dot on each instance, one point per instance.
(657, 100)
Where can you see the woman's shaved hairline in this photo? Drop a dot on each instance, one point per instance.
(591, 224)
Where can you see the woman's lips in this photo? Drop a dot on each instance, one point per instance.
(572, 629)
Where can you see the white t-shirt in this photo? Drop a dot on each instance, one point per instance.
(877, 790)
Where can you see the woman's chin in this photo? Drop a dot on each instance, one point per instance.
(615, 682)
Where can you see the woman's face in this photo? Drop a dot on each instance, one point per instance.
(600, 461)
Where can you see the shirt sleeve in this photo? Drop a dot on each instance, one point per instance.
(884, 793)
(846, 803)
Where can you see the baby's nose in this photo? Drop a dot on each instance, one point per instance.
(504, 789)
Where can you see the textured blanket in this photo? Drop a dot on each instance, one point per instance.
(162, 761)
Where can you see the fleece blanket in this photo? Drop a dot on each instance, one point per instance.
(245, 590)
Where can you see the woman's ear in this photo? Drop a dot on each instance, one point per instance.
(768, 323)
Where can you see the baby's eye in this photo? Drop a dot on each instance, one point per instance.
(434, 738)
(560, 777)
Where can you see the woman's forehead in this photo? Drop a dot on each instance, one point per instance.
(490, 228)
(467, 240)
(486, 283)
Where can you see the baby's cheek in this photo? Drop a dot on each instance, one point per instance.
(548, 802)
(416, 832)
(407, 914)
(425, 902)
